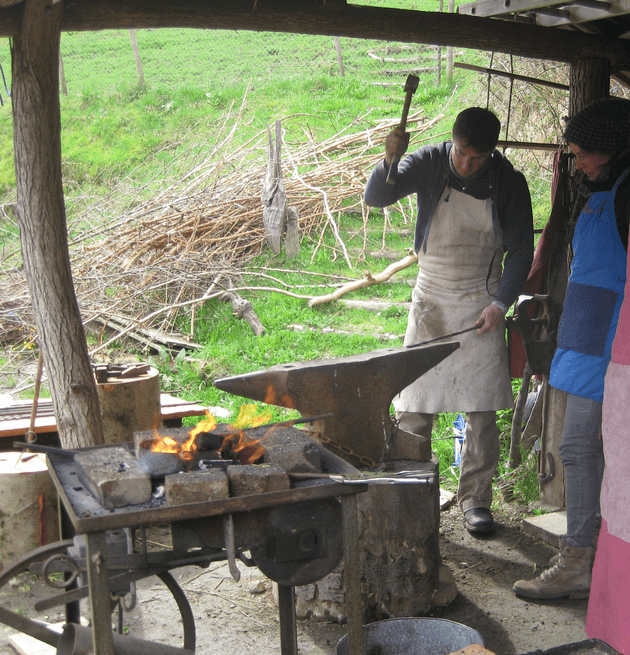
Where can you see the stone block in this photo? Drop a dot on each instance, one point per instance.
(196, 486)
(407, 446)
(292, 451)
(113, 477)
(248, 479)
(548, 527)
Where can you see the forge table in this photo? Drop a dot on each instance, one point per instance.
(90, 519)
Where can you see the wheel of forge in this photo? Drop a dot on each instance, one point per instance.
(302, 543)
(51, 579)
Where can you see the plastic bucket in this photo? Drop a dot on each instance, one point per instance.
(414, 636)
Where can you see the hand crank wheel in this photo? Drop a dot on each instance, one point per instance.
(302, 543)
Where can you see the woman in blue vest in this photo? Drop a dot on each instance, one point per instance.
(599, 138)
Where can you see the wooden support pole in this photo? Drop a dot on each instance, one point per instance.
(41, 218)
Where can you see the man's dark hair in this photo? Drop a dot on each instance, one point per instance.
(478, 127)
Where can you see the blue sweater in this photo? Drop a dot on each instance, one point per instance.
(426, 172)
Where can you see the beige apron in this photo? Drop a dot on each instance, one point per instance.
(449, 295)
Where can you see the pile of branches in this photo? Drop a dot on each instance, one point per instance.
(192, 239)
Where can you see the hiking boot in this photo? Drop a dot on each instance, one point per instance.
(569, 576)
(556, 558)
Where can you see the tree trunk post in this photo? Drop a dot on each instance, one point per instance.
(42, 221)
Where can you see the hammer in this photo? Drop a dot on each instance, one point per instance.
(410, 88)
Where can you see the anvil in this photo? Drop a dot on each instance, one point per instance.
(357, 391)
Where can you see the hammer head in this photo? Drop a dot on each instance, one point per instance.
(411, 84)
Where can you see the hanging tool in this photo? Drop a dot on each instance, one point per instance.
(410, 88)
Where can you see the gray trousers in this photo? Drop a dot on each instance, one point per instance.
(479, 458)
(582, 455)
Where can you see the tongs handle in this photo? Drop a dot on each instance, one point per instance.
(445, 336)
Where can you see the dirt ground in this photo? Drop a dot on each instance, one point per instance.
(242, 618)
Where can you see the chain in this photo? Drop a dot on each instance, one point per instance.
(347, 451)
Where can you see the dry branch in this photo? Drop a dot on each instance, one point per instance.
(154, 251)
(367, 281)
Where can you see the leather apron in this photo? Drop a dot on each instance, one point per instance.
(450, 293)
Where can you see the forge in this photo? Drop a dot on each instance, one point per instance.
(400, 563)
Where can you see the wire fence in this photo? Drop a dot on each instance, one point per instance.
(177, 57)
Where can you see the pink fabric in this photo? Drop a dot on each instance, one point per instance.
(615, 494)
(621, 345)
(608, 617)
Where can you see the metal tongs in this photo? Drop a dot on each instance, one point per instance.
(368, 477)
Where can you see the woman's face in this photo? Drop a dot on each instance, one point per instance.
(592, 163)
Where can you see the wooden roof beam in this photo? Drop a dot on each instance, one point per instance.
(355, 21)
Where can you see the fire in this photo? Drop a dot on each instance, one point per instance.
(205, 425)
(246, 451)
(183, 450)
(236, 443)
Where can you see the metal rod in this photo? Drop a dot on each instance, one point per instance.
(99, 593)
(36, 448)
(230, 546)
(77, 640)
(288, 626)
(29, 627)
(445, 336)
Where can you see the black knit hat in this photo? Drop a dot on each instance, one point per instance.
(603, 125)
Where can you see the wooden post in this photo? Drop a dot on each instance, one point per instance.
(136, 56)
(342, 71)
(41, 218)
(589, 81)
(62, 77)
(449, 49)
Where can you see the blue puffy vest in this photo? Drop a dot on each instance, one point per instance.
(593, 299)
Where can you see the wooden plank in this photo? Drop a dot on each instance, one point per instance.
(171, 408)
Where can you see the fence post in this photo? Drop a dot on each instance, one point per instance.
(449, 49)
(136, 54)
(62, 77)
(339, 57)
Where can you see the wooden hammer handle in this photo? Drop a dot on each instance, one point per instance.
(410, 87)
(393, 167)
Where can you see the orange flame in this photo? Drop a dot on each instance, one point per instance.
(162, 444)
(205, 425)
(246, 451)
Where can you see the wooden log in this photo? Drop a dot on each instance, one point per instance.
(273, 195)
(29, 505)
(243, 309)
(355, 21)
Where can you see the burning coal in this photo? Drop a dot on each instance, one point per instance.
(230, 441)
